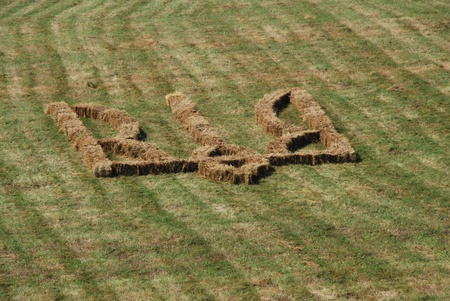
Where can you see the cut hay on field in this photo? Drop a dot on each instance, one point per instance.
(290, 138)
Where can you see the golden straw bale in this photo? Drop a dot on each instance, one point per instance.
(267, 110)
(197, 125)
(126, 125)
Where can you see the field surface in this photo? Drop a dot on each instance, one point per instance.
(375, 230)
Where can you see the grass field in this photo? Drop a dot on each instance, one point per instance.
(375, 230)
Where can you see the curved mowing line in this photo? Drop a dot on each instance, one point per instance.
(213, 263)
(33, 221)
(95, 43)
(28, 34)
(152, 72)
(125, 74)
(309, 230)
(438, 42)
(220, 233)
(13, 10)
(74, 58)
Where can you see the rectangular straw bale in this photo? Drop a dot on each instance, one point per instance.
(216, 172)
(88, 110)
(197, 125)
(135, 149)
(151, 167)
(222, 171)
(115, 117)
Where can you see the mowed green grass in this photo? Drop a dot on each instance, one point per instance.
(375, 230)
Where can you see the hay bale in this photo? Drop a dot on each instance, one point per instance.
(186, 112)
(102, 170)
(126, 125)
(267, 110)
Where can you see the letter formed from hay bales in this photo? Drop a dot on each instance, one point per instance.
(290, 138)
(215, 159)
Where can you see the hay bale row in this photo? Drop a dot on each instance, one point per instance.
(135, 149)
(267, 110)
(186, 112)
(152, 167)
(82, 139)
(293, 141)
(311, 158)
(126, 125)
